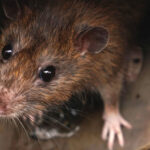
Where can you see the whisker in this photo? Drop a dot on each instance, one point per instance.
(53, 120)
(26, 133)
(15, 125)
(38, 141)
(57, 146)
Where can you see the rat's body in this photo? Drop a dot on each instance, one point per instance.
(70, 36)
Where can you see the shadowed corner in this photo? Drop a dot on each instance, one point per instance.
(144, 28)
(2, 16)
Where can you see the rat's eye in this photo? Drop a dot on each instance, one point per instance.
(47, 73)
(7, 51)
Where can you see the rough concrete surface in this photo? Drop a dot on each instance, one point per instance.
(135, 107)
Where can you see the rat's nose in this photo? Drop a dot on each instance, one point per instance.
(3, 108)
(4, 101)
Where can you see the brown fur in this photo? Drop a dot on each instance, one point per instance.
(46, 37)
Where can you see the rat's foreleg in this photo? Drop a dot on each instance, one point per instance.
(112, 117)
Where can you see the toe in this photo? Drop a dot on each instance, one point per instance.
(111, 139)
(126, 123)
(120, 138)
(105, 132)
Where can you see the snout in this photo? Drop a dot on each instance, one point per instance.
(5, 100)
(10, 103)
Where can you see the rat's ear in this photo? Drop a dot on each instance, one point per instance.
(11, 8)
(93, 40)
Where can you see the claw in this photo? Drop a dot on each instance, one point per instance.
(112, 128)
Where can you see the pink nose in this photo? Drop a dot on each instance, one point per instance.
(4, 101)
(3, 108)
(7, 97)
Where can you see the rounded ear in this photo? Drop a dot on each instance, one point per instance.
(93, 40)
(11, 8)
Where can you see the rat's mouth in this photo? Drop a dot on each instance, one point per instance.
(5, 111)
(11, 110)
(8, 115)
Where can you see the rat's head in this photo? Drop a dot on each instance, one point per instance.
(44, 59)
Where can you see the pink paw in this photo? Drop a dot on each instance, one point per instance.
(112, 128)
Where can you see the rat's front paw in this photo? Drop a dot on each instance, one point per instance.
(112, 128)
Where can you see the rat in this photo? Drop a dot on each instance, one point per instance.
(51, 50)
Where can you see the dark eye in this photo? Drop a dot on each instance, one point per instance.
(7, 51)
(47, 73)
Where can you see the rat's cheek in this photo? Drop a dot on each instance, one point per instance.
(57, 96)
